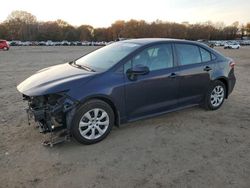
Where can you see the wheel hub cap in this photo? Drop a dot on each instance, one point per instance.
(217, 96)
(94, 123)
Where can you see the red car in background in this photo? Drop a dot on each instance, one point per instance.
(4, 45)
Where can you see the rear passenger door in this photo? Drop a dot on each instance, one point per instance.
(195, 67)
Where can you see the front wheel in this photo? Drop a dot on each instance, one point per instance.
(5, 48)
(93, 121)
(215, 95)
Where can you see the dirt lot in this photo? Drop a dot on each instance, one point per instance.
(189, 148)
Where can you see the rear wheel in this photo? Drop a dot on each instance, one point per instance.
(215, 95)
(5, 48)
(93, 121)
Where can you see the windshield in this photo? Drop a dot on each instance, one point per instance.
(105, 57)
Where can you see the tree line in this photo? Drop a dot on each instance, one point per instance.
(21, 25)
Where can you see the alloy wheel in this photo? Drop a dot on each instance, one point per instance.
(217, 96)
(94, 123)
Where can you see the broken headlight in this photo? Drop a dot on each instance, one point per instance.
(50, 110)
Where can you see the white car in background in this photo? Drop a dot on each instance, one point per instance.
(231, 46)
(50, 43)
(65, 43)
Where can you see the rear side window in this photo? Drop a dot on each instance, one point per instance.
(205, 55)
(188, 54)
(213, 56)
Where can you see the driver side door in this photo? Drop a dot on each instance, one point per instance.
(156, 91)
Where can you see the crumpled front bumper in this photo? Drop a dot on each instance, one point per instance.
(51, 113)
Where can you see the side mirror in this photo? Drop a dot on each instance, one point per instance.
(137, 70)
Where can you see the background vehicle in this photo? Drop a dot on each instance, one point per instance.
(27, 43)
(107, 87)
(15, 43)
(232, 45)
(4, 45)
(65, 43)
(206, 42)
(50, 43)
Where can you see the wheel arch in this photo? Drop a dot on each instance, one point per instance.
(110, 102)
(224, 80)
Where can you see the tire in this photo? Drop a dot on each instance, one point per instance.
(5, 48)
(215, 95)
(92, 122)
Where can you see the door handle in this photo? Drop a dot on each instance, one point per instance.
(173, 75)
(207, 68)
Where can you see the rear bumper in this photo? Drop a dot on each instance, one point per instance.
(231, 82)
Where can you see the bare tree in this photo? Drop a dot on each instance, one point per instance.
(21, 25)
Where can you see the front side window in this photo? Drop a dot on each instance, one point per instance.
(155, 58)
(188, 54)
(105, 57)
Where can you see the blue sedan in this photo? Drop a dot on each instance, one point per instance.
(126, 81)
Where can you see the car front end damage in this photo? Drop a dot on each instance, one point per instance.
(52, 113)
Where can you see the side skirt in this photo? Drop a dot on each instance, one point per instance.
(161, 113)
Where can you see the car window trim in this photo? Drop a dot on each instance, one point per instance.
(200, 53)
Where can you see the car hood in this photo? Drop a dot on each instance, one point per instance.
(54, 79)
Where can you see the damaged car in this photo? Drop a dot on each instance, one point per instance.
(126, 81)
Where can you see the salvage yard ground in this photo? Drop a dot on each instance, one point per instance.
(189, 148)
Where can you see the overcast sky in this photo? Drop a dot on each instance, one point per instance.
(101, 13)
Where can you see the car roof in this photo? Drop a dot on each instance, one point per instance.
(145, 41)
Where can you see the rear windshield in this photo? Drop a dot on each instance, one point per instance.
(106, 57)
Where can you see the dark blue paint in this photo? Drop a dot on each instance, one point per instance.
(151, 94)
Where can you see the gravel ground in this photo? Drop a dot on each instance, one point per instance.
(189, 148)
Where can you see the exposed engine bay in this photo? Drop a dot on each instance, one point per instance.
(52, 113)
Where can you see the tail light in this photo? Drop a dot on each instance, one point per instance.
(232, 64)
